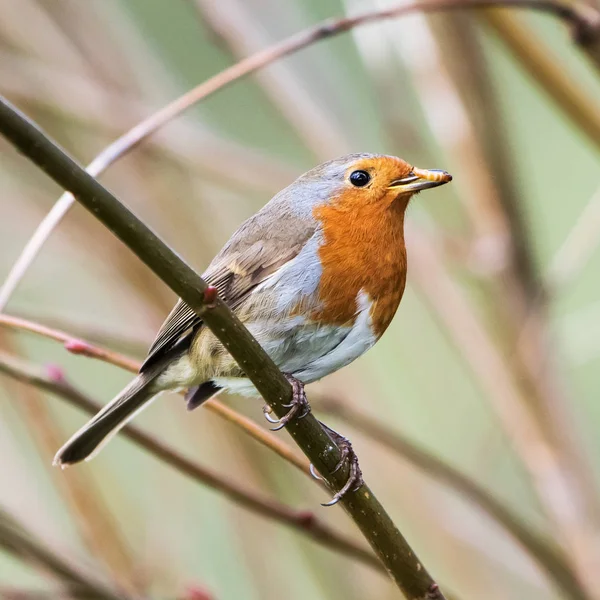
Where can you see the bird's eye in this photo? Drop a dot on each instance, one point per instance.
(359, 178)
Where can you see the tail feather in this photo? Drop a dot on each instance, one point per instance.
(92, 437)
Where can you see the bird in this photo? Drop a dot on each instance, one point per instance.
(316, 276)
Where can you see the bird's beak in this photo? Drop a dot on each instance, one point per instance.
(420, 179)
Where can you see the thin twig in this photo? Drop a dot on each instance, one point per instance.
(582, 18)
(259, 434)
(235, 25)
(551, 480)
(578, 247)
(513, 296)
(462, 44)
(549, 557)
(539, 548)
(452, 127)
(306, 522)
(18, 541)
(132, 343)
(72, 344)
(538, 59)
(400, 560)
(197, 147)
(84, 348)
(96, 524)
(537, 365)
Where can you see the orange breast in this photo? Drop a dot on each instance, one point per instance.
(364, 250)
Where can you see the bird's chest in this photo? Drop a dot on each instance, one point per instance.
(362, 256)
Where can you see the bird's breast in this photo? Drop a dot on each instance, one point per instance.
(362, 254)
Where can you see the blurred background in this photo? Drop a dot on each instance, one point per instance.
(491, 366)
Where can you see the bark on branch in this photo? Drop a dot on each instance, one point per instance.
(52, 381)
(582, 18)
(363, 507)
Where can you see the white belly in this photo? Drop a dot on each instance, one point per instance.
(310, 352)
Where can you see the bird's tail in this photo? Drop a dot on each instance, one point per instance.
(92, 437)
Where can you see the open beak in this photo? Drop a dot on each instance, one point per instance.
(420, 179)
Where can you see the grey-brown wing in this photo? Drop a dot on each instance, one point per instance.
(235, 272)
(178, 325)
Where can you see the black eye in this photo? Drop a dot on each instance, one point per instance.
(359, 178)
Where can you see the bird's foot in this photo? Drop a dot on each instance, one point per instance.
(299, 406)
(355, 479)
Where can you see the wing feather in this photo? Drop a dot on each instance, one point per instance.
(240, 267)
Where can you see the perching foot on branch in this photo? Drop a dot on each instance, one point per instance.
(355, 479)
(299, 406)
(391, 548)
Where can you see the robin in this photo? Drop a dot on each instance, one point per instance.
(316, 276)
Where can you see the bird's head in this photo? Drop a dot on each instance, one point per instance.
(369, 178)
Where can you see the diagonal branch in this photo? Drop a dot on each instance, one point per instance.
(547, 555)
(582, 18)
(539, 548)
(16, 540)
(515, 291)
(577, 249)
(303, 521)
(542, 64)
(71, 343)
(95, 523)
(239, 32)
(363, 507)
(84, 348)
(552, 481)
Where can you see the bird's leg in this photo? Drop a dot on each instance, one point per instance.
(355, 478)
(299, 406)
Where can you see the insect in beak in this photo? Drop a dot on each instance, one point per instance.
(420, 179)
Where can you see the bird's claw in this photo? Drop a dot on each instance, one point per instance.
(299, 406)
(314, 473)
(348, 456)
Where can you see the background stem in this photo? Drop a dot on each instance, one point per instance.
(364, 508)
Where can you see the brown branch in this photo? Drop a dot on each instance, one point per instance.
(582, 18)
(549, 557)
(18, 541)
(240, 34)
(502, 230)
(200, 150)
(262, 436)
(551, 480)
(105, 334)
(305, 522)
(362, 505)
(538, 369)
(540, 549)
(71, 344)
(514, 294)
(84, 348)
(538, 59)
(577, 249)
(96, 524)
